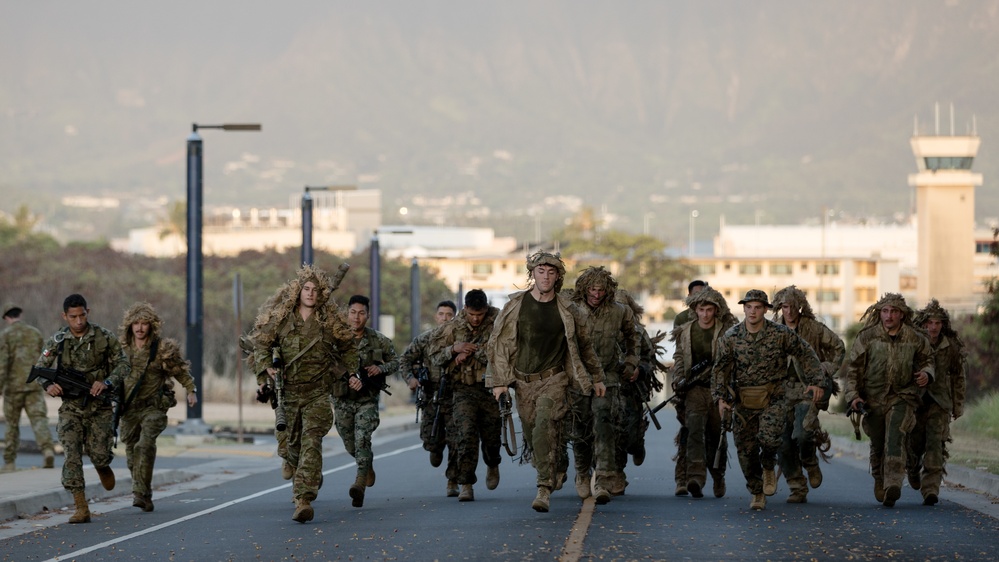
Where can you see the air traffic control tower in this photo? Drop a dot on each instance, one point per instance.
(945, 214)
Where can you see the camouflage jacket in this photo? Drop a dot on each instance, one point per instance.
(582, 363)
(950, 383)
(684, 316)
(826, 344)
(320, 363)
(373, 348)
(683, 356)
(416, 354)
(98, 353)
(20, 345)
(168, 363)
(615, 339)
(881, 370)
(473, 370)
(745, 359)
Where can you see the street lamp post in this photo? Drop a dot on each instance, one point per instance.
(690, 241)
(376, 275)
(414, 298)
(195, 261)
(307, 254)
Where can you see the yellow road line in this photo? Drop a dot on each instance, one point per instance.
(573, 548)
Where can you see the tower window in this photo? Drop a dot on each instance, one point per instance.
(948, 162)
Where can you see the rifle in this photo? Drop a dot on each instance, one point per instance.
(73, 383)
(368, 381)
(509, 431)
(437, 402)
(280, 421)
(643, 390)
(422, 375)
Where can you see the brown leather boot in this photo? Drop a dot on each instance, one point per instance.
(492, 477)
(107, 477)
(82, 514)
(357, 491)
(371, 477)
(49, 458)
(303, 511)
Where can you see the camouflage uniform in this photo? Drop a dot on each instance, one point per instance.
(417, 353)
(148, 393)
(20, 345)
(476, 417)
(541, 402)
(880, 370)
(744, 360)
(702, 419)
(313, 353)
(356, 412)
(942, 401)
(596, 421)
(802, 429)
(85, 422)
(682, 435)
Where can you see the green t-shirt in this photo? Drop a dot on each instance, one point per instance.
(700, 344)
(540, 336)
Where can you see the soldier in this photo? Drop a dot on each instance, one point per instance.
(413, 357)
(459, 353)
(803, 436)
(750, 376)
(355, 400)
(593, 429)
(148, 393)
(888, 364)
(538, 343)
(680, 475)
(85, 423)
(942, 401)
(696, 349)
(20, 345)
(300, 334)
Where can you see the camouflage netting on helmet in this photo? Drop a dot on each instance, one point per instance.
(934, 310)
(139, 312)
(872, 316)
(542, 257)
(708, 295)
(795, 298)
(282, 304)
(595, 277)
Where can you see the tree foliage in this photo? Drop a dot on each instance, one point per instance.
(981, 336)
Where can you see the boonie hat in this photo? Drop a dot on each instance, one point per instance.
(7, 307)
(758, 296)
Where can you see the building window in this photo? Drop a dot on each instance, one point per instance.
(828, 296)
(982, 247)
(827, 268)
(865, 294)
(804, 266)
(705, 269)
(948, 162)
(780, 269)
(482, 269)
(750, 269)
(867, 268)
(728, 266)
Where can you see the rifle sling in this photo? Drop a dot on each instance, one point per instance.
(135, 389)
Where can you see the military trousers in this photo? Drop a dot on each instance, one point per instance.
(927, 445)
(84, 428)
(680, 440)
(631, 424)
(355, 421)
(594, 433)
(33, 404)
(887, 426)
(542, 407)
(140, 427)
(797, 449)
(476, 423)
(309, 418)
(757, 439)
(704, 432)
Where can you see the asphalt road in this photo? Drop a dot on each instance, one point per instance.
(241, 510)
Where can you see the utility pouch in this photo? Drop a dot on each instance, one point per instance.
(755, 397)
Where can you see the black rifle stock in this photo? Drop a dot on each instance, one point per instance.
(643, 389)
(280, 421)
(422, 375)
(438, 402)
(73, 383)
(509, 430)
(721, 454)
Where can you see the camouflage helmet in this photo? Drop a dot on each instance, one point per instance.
(139, 312)
(934, 310)
(872, 315)
(591, 277)
(9, 307)
(541, 257)
(795, 298)
(709, 295)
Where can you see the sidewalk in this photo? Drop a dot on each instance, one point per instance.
(31, 491)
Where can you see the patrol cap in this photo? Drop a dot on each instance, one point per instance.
(8, 307)
(758, 296)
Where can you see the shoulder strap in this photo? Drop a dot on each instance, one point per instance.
(153, 347)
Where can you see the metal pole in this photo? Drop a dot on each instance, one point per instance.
(237, 297)
(376, 282)
(195, 309)
(414, 298)
(460, 301)
(307, 227)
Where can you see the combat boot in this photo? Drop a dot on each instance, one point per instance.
(560, 479)
(149, 503)
(769, 482)
(892, 493)
(542, 500)
(107, 477)
(48, 456)
(436, 458)
(638, 457)
(287, 471)
(82, 514)
(681, 489)
(879, 490)
(719, 487)
(930, 499)
(601, 495)
(370, 482)
(758, 502)
(798, 495)
(452, 489)
(303, 511)
(915, 481)
(694, 487)
(139, 501)
(467, 494)
(357, 492)
(617, 484)
(583, 484)
(814, 476)
(492, 477)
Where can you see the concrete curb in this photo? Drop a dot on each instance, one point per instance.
(977, 480)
